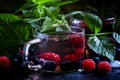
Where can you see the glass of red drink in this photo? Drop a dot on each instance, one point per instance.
(70, 44)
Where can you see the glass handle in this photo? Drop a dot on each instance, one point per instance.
(26, 53)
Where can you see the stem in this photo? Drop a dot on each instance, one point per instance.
(106, 33)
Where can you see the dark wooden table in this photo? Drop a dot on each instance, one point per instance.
(21, 75)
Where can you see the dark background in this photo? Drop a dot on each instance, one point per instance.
(103, 8)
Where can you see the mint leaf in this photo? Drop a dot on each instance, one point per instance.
(35, 12)
(52, 11)
(93, 22)
(54, 26)
(101, 45)
(116, 36)
(46, 26)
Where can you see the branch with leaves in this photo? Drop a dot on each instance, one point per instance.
(38, 16)
(96, 41)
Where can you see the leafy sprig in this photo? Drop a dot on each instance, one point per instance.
(45, 16)
(97, 41)
(55, 26)
(14, 30)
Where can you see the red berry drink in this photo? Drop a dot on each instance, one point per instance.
(64, 49)
(64, 44)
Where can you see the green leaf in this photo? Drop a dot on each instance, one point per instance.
(32, 20)
(13, 33)
(65, 2)
(43, 2)
(52, 11)
(93, 22)
(35, 12)
(116, 26)
(101, 45)
(22, 31)
(10, 40)
(46, 26)
(35, 3)
(79, 13)
(8, 18)
(116, 36)
(55, 26)
(29, 5)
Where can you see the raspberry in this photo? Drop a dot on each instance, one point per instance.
(77, 41)
(4, 62)
(104, 67)
(79, 53)
(88, 65)
(70, 57)
(50, 56)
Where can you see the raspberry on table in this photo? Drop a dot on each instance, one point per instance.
(88, 65)
(4, 62)
(104, 67)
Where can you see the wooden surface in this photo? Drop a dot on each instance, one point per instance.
(22, 75)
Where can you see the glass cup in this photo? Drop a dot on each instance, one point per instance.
(63, 44)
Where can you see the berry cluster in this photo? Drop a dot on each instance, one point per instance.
(70, 61)
(53, 60)
(102, 67)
